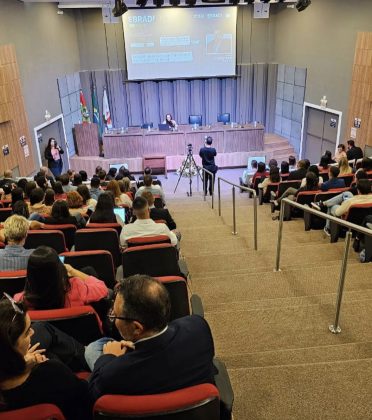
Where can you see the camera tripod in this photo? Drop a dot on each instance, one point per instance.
(189, 161)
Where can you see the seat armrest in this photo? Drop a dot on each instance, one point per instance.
(183, 268)
(225, 389)
(335, 231)
(196, 305)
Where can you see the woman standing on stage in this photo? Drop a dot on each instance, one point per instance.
(53, 154)
(170, 121)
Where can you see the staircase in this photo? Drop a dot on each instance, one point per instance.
(277, 147)
(271, 329)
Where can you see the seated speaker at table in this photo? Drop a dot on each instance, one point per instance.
(172, 124)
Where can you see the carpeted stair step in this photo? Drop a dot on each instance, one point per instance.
(307, 355)
(327, 391)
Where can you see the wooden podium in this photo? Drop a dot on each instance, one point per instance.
(86, 136)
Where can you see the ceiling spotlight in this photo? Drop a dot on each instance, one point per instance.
(174, 2)
(141, 3)
(302, 5)
(265, 1)
(234, 2)
(249, 1)
(158, 3)
(190, 2)
(119, 9)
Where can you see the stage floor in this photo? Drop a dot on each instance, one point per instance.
(275, 147)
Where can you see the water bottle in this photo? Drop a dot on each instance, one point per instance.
(148, 128)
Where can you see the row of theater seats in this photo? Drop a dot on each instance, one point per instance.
(356, 214)
(98, 246)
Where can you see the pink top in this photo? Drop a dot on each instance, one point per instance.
(82, 292)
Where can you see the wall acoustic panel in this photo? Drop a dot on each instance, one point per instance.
(13, 117)
(360, 103)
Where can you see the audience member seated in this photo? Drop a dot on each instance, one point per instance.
(27, 376)
(111, 174)
(44, 171)
(88, 201)
(124, 185)
(59, 193)
(273, 163)
(60, 215)
(244, 180)
(54, 285)
(341, 153)
(260, 173)
(328, 157)
(292, 163)
(120, 198)
(274, 176)
(78, 180)
(8, 178)
(84, 176)
(21, 209)
(333, 182)
(6, 192)
(31, 185)
(102, 178)
(144, 225)
(340, 204)
(360, 174)
(154, 356)
(14, 256)
(344, 167)
(17, 195)
(49, 199)
(284, 168)
(315, 170)
(123, 170)
(75, 203)
(323, 164)
(148, 171)
(353, 152)
(366, 164)
(311, 184)
(149, 186)
(95, 190)
(160, 214)
(299, 173)
(98, 170)
(41, 182)
(104, 212)
(66, 186)
(37, 203)
(22, 183)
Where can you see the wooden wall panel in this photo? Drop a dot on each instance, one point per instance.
(360, 105)
(13, 117)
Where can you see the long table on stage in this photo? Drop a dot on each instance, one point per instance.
(233, 143)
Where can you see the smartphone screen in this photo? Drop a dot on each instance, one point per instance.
(62, 258)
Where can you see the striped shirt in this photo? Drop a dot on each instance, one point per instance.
(14, 257)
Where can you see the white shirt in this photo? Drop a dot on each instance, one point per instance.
(145, 227)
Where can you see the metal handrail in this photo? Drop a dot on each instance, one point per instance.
(204, 190)
(334, 328)
(251, 190)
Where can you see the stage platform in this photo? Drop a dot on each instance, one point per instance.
(274, 147)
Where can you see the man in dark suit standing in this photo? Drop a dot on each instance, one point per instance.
(353, 152)
(208, 153)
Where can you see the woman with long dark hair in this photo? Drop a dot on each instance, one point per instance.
(53, 285)
(60, 215)
(53, 154)
(27, 376)
(104, 212)
(170, 122)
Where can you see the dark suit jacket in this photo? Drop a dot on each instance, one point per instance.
(298, 174)
(332, 184)
(163, 214)
(180, 357)
(354, 153)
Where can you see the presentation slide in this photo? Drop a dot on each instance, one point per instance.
(176, 43)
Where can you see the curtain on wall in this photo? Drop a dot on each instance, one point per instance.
(248, 97)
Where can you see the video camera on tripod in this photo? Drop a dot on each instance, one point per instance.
(189, 149)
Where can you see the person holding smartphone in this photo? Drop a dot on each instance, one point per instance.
(53, 154)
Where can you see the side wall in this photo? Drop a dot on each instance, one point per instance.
(46, 47)
(322, 39)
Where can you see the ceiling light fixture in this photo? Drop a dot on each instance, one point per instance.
(174, 2)
(119, 9)
(158, 3)
(141, 3)
(190, 2)
(302, 5)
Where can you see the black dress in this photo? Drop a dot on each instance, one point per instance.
(52, 382)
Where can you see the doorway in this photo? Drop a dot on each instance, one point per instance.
(53, 128)
(321, 129)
